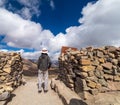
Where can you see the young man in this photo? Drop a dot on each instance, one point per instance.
(44, 63)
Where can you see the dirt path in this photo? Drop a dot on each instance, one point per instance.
(28, 95)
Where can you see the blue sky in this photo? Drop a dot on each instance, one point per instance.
(64, 14)
(29, 25)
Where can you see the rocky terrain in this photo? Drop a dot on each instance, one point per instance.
(89, 76)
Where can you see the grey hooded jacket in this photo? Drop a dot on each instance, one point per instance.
(44, 62)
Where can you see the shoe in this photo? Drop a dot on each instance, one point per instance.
(45, 91)
(39, 91)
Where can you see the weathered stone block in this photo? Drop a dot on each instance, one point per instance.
(98, 86)
(84, 57)
(91, 73)
(101, 60)
(78, 85)
(91, 84)
(110, 72)
(85, 62)
(100, 54)
(103, 82)
(111, 55)
(85, 87)
(87, 68)
(82, 74)
(115, 61)
(111, 48)
(95, 62)
(93, 78)
(107, 65)
(99, 68)
(99, 73)
(108, 77)
(7, 70)
(116, 78)
(2, 78)
(69, 79)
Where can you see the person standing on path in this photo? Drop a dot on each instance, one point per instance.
(44, 63)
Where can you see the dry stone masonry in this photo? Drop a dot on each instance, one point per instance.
(10, 71)
(91, 70)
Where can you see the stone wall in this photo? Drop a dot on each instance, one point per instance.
(91, 70)
(10, 71)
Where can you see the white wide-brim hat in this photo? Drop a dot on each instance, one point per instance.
(44, 50)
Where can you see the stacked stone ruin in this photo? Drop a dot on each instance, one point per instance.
(91, 70)
(10, 71)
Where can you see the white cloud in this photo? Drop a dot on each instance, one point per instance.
(36, 54)
(52, 4)
(31, 7)
(29, 3)
(31, 55)
(102, 22)
(100, 25)
(26, 55)
(4, 50)
(57, 42)
(2, 3)
(25, 13)
(55, 57)
(20, 32)
(25, 33)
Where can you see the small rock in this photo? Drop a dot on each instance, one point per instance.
(4, 96)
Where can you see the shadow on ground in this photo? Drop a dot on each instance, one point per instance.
(77, 102)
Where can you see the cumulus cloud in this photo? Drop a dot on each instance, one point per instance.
(99, 25)
(4, 50)
(23, 33)
(2, 3)
(57, 42)
(19, 32)
(31, 7)
(30, 55)
(25, 13)
(26, 34)
(52, 4)
(28, 8)
(26, 55)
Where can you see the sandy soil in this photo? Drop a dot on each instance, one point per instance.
(28, 95)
